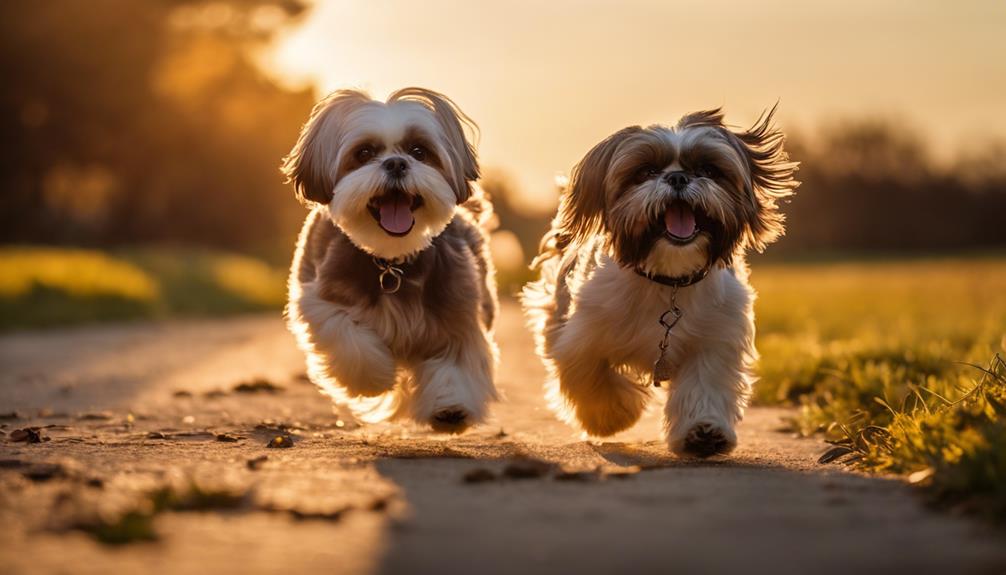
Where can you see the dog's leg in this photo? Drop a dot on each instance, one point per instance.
(454, 389)
(708, 398)
(599, 398)
(340, 351)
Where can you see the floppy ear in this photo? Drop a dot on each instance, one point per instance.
(312, 163)
(772, 178)
(454, 123)
(581, 211)
(770, 170)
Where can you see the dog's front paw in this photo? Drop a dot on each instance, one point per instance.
(453, 419)
(449, 398)
(704, 439)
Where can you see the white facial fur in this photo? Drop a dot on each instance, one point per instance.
(387, 126)
(326, 165)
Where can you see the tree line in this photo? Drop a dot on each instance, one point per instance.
(131, 122)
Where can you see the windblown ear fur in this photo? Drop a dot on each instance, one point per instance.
(311, 163)
(772, 172)
(581, 211)
(454, 123)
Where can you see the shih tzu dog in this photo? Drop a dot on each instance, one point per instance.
(643, 278)
(392, 294)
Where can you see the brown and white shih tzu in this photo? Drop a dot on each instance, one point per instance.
(392, 294)
(643, 277)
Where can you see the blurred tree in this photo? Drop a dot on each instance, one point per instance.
(872, 186)
(130, 121)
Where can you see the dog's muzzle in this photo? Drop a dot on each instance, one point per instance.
(394, 211)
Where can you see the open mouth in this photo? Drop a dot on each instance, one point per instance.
(681, 223)
(393, 211)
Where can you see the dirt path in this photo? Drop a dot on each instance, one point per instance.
(138, 408)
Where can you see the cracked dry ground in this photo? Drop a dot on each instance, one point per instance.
(145, 439)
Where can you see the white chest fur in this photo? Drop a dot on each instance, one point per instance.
(618, 313)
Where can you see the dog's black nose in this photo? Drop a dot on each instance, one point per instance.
(395, 166)
(677, 180)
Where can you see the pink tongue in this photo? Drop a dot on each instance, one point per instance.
(680, 220)
(396, 215)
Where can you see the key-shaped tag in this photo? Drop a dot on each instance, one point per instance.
(662, 368)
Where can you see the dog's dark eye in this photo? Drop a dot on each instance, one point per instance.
(708, 171)
(647, 172)
(365, 153)
(418, 152)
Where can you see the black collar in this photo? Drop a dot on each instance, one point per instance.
(675, 281)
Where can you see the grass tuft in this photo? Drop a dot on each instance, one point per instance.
(951, 446)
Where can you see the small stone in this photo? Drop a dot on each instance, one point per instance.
(479, 475)
(576, 476)
(156, 435)
(280, 442)
(96, 416)
(258, 385)
(334, 515)
(182, 393)
(256, 463)
(527, 468)
(28, 435)
(227, 438)
(41, 472)
(188, 420)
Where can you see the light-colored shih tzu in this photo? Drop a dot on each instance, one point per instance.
(643, 278)
(392, 294)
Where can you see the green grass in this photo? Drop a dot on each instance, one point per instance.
(43, 286)
(951, 445)
(876, 356)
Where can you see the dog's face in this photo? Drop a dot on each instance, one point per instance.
(671, 201)
(391, 173)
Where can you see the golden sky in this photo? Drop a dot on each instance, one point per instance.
(547, 79)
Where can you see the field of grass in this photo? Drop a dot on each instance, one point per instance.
(42, 286)
(895, 362)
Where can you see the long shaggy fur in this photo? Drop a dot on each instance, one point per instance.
(596, 319)
(426, 352)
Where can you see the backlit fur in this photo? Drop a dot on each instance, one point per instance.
(596, 319)
(425, 353)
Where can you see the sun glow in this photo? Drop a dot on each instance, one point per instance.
(544, 91)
